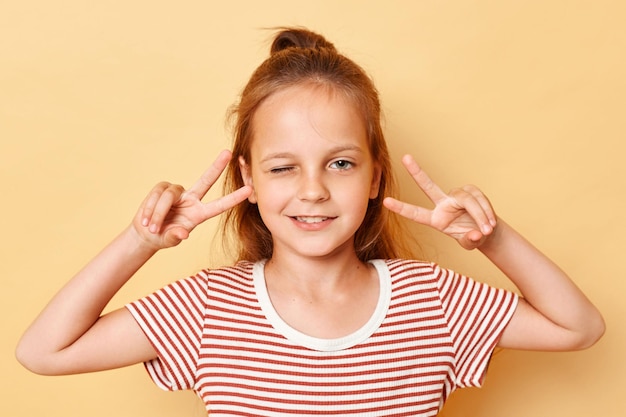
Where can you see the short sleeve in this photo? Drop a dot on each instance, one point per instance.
(172, 319)
(477, 314)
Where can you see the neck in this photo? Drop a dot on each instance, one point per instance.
(325, 298)
(315, 275)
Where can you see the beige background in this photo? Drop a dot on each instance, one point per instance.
(100, 100)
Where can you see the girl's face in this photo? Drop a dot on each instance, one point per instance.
(311, 170)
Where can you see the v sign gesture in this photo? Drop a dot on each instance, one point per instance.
(542, 320)
(464, 213)
(70, 335)
(169, 213)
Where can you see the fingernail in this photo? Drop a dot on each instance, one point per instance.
(144, 222)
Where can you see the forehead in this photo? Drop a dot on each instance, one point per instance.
(305, 114)
(309, 94)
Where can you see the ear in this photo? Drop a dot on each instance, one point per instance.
(246, 175)
(375, 187)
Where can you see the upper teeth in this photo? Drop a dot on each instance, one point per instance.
(311, 219)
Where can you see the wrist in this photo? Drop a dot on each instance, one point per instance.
(137, 243)
(494, 239)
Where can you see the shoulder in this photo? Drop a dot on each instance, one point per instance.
(409, 269)
(238, 278)
(415, 275)
(412, 277)
(241, 271)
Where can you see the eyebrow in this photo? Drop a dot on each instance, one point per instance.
(337, 149)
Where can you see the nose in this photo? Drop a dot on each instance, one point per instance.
(313, 188)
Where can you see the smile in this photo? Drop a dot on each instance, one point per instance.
(311, 219)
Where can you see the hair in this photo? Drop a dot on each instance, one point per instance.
(299, 56)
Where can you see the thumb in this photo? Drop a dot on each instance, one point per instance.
(472, 239)
(174, 236)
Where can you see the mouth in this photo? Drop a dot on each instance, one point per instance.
(311, 219)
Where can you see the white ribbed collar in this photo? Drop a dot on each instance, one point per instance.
(326, 345)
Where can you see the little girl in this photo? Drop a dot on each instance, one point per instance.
(320, 314)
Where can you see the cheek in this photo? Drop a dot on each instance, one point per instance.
(355, 195)
(270, 194)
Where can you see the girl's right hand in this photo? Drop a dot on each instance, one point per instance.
(169, 213)
(90, 341)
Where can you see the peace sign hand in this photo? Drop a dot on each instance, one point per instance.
(169, 213)
(464, 213)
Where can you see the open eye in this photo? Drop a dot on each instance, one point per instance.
(341, 164)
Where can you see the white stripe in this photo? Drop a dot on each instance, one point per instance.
(347, 382)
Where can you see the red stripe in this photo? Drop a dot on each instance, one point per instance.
(409, 362)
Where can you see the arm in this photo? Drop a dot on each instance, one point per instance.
(70, 335)
(553, 313)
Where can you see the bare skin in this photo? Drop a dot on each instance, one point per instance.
(71, 336)
(553, 314)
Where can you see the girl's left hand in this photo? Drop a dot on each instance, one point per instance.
(464, 214)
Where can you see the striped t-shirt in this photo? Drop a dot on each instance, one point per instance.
(217, 333)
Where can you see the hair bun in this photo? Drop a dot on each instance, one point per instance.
(299, 38)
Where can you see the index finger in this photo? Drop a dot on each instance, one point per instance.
(226, 202)
(208, 178)
(427, 185)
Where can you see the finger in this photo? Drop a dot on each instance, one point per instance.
(472, 239)
(150, 202)
(208, 178)
(409, 211)
(484, 203)
(475, 208)
(226, 202)
(422, 179)
(174, 236)
(164, 204)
